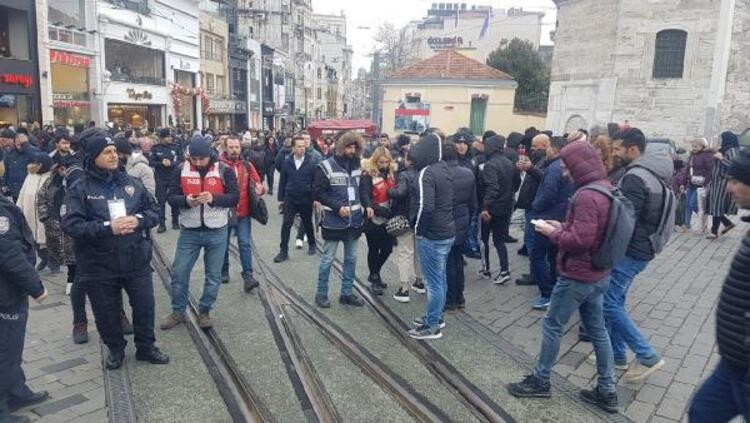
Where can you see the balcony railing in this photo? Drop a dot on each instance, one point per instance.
(136, 79)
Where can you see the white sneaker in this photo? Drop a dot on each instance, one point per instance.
(299, 244)
(401, 296)
(591, 359)
(502, 278)
(638, 371)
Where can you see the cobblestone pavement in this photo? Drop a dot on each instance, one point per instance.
(673, 301)
(71, 373)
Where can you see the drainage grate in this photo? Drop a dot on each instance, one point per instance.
(117, 392)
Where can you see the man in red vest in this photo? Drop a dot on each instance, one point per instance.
(205, 191)
(247, 179)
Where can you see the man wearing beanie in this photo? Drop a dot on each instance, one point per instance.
(204, 190)
(108, 214)
(135, 163)
(165, 158)
(724, 395)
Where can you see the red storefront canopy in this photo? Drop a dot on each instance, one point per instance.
(334, 126)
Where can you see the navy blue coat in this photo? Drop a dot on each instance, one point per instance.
(99, 253)
(18, 279)
(554, 192)
(15, 167)
(296, 184)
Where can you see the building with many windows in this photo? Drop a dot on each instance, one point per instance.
(214, 42)
(19, 68)
(675, 71)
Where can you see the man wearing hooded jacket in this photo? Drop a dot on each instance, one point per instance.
(108, 214)
(431, 212)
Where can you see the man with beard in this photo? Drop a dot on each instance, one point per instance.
(108, 214)
(204, 190)
(644, 183)
(62, 145)
(165, 158)
(465, 157)
(247, 179)
(336, 185)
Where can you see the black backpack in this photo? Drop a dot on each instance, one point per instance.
(620, 227)
(669, 203)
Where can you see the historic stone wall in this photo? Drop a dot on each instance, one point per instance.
(735, 111)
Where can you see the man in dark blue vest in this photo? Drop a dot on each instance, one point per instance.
(336, 185)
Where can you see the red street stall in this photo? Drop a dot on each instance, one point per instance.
(334, 126)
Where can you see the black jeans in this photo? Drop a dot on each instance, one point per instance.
(12, 336)
(718, 221)
(379, 247)
(269, 175)
(454, 269)
(291, 209)
(499, 227)
(161, 197)
(543, 263)
(77, 298)
(106, 302)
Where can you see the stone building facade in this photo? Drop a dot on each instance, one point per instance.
(618, 60)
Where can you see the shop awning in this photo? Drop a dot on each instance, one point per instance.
(334, 126)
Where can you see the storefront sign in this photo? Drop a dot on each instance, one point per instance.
(184, 65)
(145, 95)
(240, 107)
(59, 96)
(222, 106)
(17, 79)
(64, 104)
(445, 42)
(65, 58)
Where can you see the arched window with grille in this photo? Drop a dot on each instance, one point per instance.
(669, 54)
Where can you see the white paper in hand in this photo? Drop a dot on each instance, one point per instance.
(116, 209)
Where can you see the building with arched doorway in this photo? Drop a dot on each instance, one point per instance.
(675, 69)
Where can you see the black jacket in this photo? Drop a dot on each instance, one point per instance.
(321, 188)
(733, 311)
(401, 194)
(296, 185)
(647, 195)
(531, 182)
(159, 152)
(464, 201)
(99, 253)
(431, 209)
(501, 180)
(257, 156)
(18, 278)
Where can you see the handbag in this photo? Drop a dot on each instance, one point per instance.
(397, 225)
(258, 209)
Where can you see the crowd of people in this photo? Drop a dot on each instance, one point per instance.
(598, 205)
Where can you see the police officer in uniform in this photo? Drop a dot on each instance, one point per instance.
(18, 281)
(165, 158)
(109, 214)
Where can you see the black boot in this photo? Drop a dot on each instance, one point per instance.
(42, 253)
(33, 399)
(153, 356)
(115, 359)
(162, 228)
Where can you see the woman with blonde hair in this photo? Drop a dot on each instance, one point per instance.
(603, 147)
(377, 178)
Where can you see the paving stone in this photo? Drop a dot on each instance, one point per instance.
(672, 408)
(650, 394)
(59, 405)
(639, 411)
(63, 365)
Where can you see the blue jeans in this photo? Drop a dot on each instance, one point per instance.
(723, 396)
(622, 330)
(350, 264)
(433, 255)
(243, 231)
(189, 245)
(570, 296)
(542, 263)
(691, 204)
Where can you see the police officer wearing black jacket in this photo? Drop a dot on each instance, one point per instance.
(18, 281)
(165, 158)
(109, 214)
